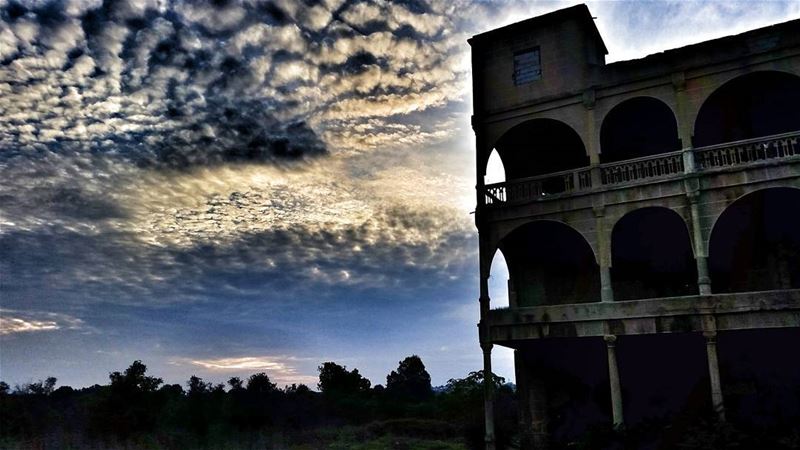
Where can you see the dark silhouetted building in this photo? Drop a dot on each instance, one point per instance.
(650, 221)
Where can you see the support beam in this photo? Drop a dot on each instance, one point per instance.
(488, 396)
(713, 374)
(613, 379)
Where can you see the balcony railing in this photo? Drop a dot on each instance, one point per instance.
(656, 166)
(744, 152)
(664, 165)
(539, 186)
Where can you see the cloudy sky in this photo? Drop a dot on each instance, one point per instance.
(220, 188)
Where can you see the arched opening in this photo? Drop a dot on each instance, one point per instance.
(549, 264)
(755, 243)
(651, 256)
(540, 146)
(750, 106)
(495, 171)
(637, 127)
(498, 281)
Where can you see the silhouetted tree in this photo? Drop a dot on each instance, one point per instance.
(337, 380)
(129, 404)
(197, 386)
(260, 383)
(461, 401)
(236, 384)
(40, 387)
(296, 389)
(134, 379)
(410, 381)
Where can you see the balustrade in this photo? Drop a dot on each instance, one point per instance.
(730, 154)
(656, 166)
(747, 151)
(538, 187)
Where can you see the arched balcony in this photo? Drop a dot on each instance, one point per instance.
(651, 256)
(755, 243)
(638, 127)
(540, 157)
(750, 106)
(748, 121)
(550, 263)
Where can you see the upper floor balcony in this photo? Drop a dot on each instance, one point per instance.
(631, 172)
(650, 137)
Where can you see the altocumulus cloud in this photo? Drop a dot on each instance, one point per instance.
(149, 142)
(235, 156)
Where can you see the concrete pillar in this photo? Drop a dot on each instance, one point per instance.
(537, 396)
(603, 256)
(606, 291)
(488, 398)
(532, 397)
(592, 138)
(682, 113)
(613, 379)
(713, 374)
(486, 346)
(701, 260)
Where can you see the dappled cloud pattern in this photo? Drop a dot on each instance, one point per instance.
(201, 170)
(149, 145)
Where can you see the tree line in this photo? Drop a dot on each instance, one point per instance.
(136, 406)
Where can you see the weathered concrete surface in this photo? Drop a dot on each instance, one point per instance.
(740, 311)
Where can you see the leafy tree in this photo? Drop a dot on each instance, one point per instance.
(410, 381)
(260, 383)
(461, 402)
(236, 384)
(171, 390)
(131, 403)
(40, 387)
(337, 380)
(4, 388)
(134, 379)
(197, 386)
(472, 384)
(297, 389)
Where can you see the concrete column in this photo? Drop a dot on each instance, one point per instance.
(606, 291)
(703, 278)
(524, 416)
(592, 138)
(603, 256)
(613, 379)
(713, 374)
(532, 399)
(537, 396)
(486, 346)
(488, 397)
(683, 116)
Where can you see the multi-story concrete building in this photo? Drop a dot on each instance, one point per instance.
(650, 218)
